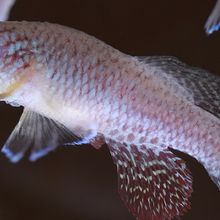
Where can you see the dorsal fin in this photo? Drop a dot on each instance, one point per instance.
(38, 132)
(203, 86)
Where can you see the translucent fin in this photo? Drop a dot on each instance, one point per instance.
(203, 86)
(87, 136)
(153, 184)
(38, 132)
(213, 22)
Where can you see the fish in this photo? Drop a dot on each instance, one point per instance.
(77, 90)
(5, 8)
(213, 22)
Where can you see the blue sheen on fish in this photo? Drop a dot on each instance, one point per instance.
(75, 89)
(213, 22)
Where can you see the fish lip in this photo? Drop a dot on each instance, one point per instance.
(14, 158)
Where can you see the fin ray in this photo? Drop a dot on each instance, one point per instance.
(38, 132)
(203, 86)
(153, 184)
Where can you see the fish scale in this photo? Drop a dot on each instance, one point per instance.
(76, 90)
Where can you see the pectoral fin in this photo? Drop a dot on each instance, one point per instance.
(39, 133)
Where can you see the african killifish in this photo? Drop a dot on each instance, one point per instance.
(213, 22)
(76, 90)
(5, 7)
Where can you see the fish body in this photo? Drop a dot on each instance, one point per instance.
(76, 89)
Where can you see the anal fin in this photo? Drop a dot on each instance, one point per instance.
(154, 184)
(39, 133)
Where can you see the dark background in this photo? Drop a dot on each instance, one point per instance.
(81, 183)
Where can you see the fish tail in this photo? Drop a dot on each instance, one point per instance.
(154, 184)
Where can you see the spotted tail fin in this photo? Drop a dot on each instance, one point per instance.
(154, 184)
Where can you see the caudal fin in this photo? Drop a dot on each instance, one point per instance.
(154, 184)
